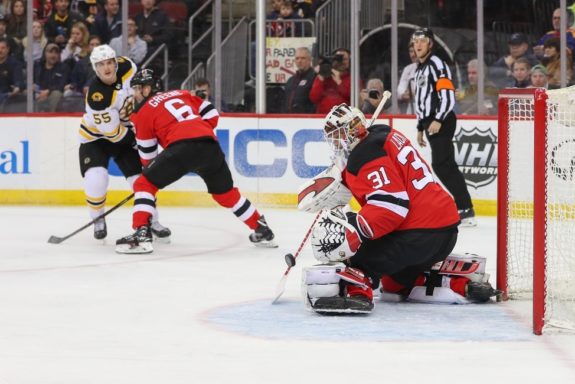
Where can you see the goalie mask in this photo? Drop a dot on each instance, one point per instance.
(344, 128)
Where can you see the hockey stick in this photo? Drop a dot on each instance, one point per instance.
(57, 240)
(282, 283)
(384, 98)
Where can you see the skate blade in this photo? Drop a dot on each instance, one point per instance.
(162, 240)
(468, 223)
(139, 249)
(347, 311)
(266, 244)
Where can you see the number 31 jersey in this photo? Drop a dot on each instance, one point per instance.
(108, 107)
(395, 187)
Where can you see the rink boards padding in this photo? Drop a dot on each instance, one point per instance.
(270, 156)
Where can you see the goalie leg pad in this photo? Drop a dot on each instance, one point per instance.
(324, 289)
(467, 265)
(441, 295)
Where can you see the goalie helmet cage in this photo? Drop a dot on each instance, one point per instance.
(536, 203)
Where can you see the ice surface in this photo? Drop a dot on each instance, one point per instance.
(198, 311)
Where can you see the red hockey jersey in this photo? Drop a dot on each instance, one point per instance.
(395, 187)
(172, 116)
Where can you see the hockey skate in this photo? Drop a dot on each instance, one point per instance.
(138, 243)
(467, 217)
(100, 230)
(263, 235)
(480, 292)
(161, 234)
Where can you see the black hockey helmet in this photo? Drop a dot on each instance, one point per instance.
(147, 77)
(423, 32)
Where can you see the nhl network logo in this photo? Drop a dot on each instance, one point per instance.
(476, 155)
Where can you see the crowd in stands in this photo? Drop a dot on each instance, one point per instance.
(64, 32)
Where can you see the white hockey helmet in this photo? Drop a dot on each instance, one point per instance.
(101, 53)
(344, 128)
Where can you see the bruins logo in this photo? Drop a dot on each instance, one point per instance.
(97, 96)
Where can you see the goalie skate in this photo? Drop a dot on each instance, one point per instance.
(263, 236)
(342, 305)
(140, 242)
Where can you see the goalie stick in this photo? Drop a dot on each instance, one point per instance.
(57, 240)
(384, 98)
(282, 283)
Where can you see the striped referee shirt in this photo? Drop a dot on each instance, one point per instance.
(435, 93)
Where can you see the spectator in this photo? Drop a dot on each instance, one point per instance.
(11, 80)
(556, 21)
(275, 12)
(82, 73)
(5, 7)
(153, 26)
(521, 70)
(17, 21)
(283, 26)
(59, 23)
(370, 97)
(89, 9)
(15, 48)
(539, 77)
(552, 61)
(77, 46)
(137, 47)
(41, 9)
(501, 71)
(332, 85)
(467, 98)
(304, 8)
(108, 24)
(298, 87)
(203, 90)
(406, 86)
(50, 78)
(39, 41)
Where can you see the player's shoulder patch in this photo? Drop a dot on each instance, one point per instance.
(369, 148)
(99, 95)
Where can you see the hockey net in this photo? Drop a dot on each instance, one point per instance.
(536, 203)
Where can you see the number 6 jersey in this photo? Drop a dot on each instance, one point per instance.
(395, 187)
(167, 117)
(108, 107)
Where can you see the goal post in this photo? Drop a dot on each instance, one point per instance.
(536, 203)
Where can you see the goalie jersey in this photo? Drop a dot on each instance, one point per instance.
(395, 187)
(108, 107)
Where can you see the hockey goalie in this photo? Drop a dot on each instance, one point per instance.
(399, 241)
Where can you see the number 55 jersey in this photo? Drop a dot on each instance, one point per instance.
(395, 187)
(108, 107)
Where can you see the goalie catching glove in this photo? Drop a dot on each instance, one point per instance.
(333, 238)
(325, 191)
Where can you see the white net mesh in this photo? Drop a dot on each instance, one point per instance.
(560, 196)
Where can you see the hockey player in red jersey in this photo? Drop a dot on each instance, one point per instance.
(182, 124)
(407, 224)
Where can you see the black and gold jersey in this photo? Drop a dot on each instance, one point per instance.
(108, 107)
